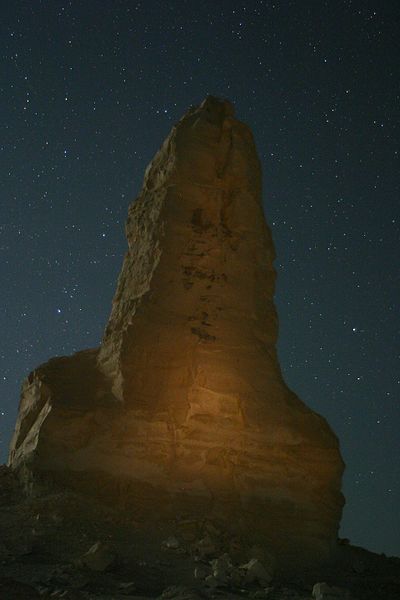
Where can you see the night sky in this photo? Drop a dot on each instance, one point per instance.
(89, 90)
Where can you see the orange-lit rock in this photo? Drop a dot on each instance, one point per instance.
(184, 401)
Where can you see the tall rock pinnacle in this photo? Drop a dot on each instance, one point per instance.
(184, 401)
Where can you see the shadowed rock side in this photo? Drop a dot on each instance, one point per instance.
(184, 401)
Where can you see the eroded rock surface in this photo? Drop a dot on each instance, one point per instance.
(184, 406)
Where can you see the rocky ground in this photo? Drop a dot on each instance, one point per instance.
(62, 545)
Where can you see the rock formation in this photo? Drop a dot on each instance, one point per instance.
(184, 405)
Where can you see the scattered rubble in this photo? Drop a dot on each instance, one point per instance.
(66, 546)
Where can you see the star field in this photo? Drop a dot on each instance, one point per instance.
(89, 91)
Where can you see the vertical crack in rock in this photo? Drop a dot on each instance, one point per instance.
(184, 398)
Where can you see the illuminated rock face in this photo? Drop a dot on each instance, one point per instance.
(185, 397)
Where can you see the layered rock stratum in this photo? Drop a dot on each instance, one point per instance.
(183, 407)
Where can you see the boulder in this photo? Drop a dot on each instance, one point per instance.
(255, 572)
(171, 543)
(201, 571)
(323, 591)
(100, 557)
(222, 568)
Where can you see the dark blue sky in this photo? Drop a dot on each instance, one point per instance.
(88, 92)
